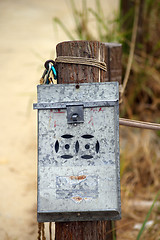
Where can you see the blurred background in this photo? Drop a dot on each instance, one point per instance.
(30, 31)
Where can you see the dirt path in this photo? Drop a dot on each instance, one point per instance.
(27, 40)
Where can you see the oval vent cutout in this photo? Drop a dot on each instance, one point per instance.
(87, 136)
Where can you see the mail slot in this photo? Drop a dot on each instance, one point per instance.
(78, 152)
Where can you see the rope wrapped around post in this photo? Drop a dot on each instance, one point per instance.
(83, 61)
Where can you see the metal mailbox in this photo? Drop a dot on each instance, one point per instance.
(78, 152)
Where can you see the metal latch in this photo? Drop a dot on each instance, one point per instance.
(75, 114)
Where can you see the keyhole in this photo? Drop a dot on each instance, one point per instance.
(75, 117)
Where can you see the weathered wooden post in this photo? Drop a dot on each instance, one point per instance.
(113, 59)
(73, 73)
(78, 142)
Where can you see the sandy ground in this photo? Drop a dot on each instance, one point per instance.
(27, 39)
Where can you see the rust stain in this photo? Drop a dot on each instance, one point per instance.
(91, 120)
(77, 177)
(77, 199)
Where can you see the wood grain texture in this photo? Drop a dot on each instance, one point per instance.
(113, 57)
(74, 73)
(96, 230)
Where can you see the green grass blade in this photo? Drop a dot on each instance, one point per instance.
(113, 231)
(100, 13)
(98, 18)
(84, 8)
(75, 13)
(148, 215)
(58, 21)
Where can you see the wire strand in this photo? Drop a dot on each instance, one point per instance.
(139, 124)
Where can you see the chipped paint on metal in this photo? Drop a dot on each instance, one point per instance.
(77, 199)
(68, 187)
(78, 177)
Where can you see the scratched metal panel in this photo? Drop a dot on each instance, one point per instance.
(78, 164)
(85, 92)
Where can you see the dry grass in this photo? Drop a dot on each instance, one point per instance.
(140, 156)
(140, 174)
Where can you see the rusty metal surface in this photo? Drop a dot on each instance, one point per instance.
(78, 164)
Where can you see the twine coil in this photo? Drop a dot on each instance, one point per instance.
(41, 231)
(83, 61)
(50, 231)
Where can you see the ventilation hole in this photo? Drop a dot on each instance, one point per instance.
(77, 147)
(87, 136)
(66, 156)
(67, 146)
(87, 156)
(67, 136)
(77, 86)
(97, 147)
(87, 146)
(56, 146)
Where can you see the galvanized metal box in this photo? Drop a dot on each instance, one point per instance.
(78, 152)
